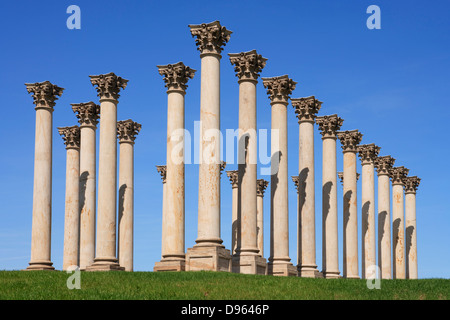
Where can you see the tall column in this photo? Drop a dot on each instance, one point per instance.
(349, 141)
(235, 216)
(88, 115)
(175, 77)
(306, 110)
(261, 186)
(279, 89)
(210, 39)
(44, 96)
(248, 66)
(398, 175)
(71, 137)
(384, 165)
(328, 126)
(108, 87)
(126, 132)
(163, 172)
(368, 154)
(411, 185)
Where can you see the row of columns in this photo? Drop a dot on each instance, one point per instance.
(84, 246)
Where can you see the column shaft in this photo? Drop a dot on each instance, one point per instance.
(260, 224)
(235, 221)
(368, 218)
(411, 235)
(384, 226)
(398, 233)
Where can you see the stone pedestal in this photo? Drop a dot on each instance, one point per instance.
(328, 126)
(208, 258)
(411, 185)
(44, 96)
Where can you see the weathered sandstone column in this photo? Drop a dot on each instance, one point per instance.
(261, 186)
(306, 110)
(349, 141)
(210, 39)
(398, 175)
(44, 96)
(163, 172)
(88, 115)
(384, 165)
(248, 66)
(235, 216)
(175, 77)
(127, 131)
(108, 87)
(368, 154)
(71, 137)
(328, 126)
(279, 90)
(411, 185)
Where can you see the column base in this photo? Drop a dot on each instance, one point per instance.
(282, 269)
(103, 264)
(249, 264)
(331, 274)
(170, 265)
(309, 272)
(214, 258)
(40, 265)
(352, 277)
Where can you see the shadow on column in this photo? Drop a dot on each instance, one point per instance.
(382, 216)
(82, 199)
(409, 231)
(122, 191)
(395, 238)
(347, 199)
(273, 187)
(326, 191)
(365, 227)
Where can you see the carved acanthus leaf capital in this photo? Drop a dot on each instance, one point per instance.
(329, 125)
(368, 153)
(176, 75)
(108, 85)
(71, 136)
(398, 175)
(411, 184)
(44, 94)
(223, 164)
(233, 176)
(87, 113)
(127, 130)
(306, 108)
(349, 140)
(247, 65)
(384, 164)
(210, 37)
(163, 172)
(261, 186)
(279, 88)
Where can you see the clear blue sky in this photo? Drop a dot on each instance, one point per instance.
(391, 84)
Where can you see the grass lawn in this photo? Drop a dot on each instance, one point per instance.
(34, 285)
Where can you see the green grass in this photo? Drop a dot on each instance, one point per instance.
(33, 285)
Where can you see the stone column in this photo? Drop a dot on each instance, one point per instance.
(163, 172)
(398, 175)
(210, 39)
(175, 77)
(384, 165)
(108, 87)
(44, 95)
(71, 137)
(279, 90)
(88, 115)
(235, 216)
(349, 141)
(368, 154)
(126, 132)
(248, 66)
(306, 110)
(328, 126)
(411, 185)
(261, 186)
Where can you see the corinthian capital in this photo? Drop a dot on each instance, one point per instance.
(368, 153)
(349, 139)
(306, 108)
(398, 175)
(71, 136)
(329, 125)
(210, 37)
(127, 130)
(223, 164)
(163, 172)
(233, 176)
(108, 85)
(176, 76)
(411, 184)
(279, 88)
(384, 164)
(247, 65)
(261, 186)
(44, 94)
(87, 113)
